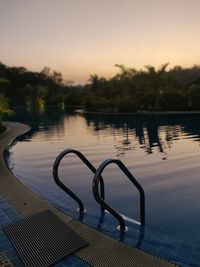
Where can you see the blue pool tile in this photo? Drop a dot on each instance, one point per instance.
(194, 258)
(8, 215)
(3, 238)
(71, 261)
(10, 252)
(1, 232)
(4, 221)
(5, 245)
(16, 261)
(4, 206)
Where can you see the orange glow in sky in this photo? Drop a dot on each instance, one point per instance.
(83, 37)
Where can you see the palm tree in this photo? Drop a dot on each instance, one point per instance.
(125, 72)
(96, 82)
(156, 81)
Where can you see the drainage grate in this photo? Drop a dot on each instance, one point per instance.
(43, 239)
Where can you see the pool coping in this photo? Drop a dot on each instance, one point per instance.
(26, 202)
(20, 197)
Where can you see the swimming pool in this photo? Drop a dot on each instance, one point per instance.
(161, 151)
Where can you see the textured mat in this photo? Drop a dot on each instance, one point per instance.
(106, 251)
(43, 239)
(4, 261)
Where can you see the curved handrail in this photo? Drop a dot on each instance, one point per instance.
(105, 205)
(64, 187)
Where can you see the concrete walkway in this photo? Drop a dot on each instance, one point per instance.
(17, 194)
(103, 250)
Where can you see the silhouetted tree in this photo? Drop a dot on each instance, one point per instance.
(4, 109)
(148, 89)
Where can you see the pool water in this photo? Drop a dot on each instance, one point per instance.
(161, 151)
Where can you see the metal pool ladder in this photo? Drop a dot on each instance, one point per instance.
(104, 204)
(64, 187)
(98, 180)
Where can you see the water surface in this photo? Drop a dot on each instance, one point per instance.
(161, 151)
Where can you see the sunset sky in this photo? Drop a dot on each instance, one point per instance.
(83, 37)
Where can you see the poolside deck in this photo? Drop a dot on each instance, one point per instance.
(102, 251)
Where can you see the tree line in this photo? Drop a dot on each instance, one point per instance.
(149, 89)
(130, 90)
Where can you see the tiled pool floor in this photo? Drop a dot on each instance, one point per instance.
(8, 215)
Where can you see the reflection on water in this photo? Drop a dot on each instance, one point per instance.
(146, 132)
(149, 133)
